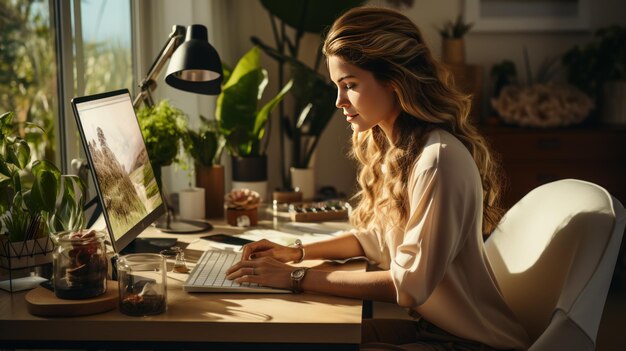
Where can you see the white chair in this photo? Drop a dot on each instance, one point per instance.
(553, 255)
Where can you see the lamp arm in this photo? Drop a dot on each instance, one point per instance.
(148, 84)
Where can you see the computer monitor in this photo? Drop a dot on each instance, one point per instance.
(124, 178)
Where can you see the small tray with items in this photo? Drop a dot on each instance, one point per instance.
(319, 211)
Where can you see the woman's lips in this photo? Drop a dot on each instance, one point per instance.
(349, 118)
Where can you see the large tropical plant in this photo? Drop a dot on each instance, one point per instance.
(313, 95)
(35, 198)
(239, 119)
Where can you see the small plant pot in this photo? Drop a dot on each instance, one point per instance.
(242, 218)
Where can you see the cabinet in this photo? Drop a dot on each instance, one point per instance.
(531, 157)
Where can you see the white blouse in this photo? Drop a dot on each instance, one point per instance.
(438, 262)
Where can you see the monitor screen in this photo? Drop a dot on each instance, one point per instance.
(118, 159)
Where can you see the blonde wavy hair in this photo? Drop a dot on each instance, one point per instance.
(389, 45)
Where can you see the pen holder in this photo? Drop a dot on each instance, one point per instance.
(242, 217)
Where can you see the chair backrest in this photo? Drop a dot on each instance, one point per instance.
(553, 256)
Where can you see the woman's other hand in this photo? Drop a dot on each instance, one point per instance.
(266, 248)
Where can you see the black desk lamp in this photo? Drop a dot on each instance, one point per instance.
(195, 66)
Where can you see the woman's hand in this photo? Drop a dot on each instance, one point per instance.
(266, 248)
(265, 271)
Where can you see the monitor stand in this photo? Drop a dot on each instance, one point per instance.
(168, 224)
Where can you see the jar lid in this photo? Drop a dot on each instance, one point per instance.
(80, 236)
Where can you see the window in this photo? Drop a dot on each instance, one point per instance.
(53, 50)
(28, 72)
(103, 50)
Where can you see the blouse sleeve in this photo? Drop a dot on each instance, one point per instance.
(434, 234)
(371, 247)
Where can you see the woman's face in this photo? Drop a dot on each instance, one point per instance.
(364, 100)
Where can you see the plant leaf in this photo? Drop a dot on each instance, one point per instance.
(4, 168)
(311, 89)
(250, 61)
(309, 16)
(263, 114)
(44, 192)
(21, 153)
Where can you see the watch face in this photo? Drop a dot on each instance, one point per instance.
(298, 273)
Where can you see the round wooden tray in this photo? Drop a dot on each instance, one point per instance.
(42, 302)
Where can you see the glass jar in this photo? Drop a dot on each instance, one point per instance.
(142, 284)
(80, 265)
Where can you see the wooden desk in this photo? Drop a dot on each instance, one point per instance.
(197, 320)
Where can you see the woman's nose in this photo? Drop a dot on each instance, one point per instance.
(341, 101)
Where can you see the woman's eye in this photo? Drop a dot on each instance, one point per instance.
(349, 86)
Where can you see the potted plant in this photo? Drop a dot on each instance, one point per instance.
(35, 201)
(467, 77)
(453, 46)
(164, 129)
(313, 95)
(243, 124)
(205, 147)
(538, 102)
(599, 69)
(242, 207)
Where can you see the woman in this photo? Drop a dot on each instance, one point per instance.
(428, 192)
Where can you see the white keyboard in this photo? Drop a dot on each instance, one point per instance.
(209, 275)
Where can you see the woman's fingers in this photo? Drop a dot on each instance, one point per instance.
(261, 245)
(240, 271)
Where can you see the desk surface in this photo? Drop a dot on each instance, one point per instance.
(200, 317)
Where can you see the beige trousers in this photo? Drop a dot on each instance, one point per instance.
(408, 335)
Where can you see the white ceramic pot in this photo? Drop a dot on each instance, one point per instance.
(191, 203)
(304, 179)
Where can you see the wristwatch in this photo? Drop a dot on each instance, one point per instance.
(296, 278)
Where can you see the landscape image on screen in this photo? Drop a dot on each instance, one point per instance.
(126, 179)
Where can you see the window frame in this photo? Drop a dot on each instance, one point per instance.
(63, 15)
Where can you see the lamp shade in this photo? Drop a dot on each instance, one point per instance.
(195, 66)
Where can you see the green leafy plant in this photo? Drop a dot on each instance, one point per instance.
(239, 119)
(35, 199)
(206, 145)
(164, 130)
(503, 73)
(455, 29)
(603, 59)
(313, 95)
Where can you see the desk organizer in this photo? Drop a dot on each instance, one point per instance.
(24, 254)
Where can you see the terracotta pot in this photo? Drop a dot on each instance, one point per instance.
(237, 218)
(212, 180)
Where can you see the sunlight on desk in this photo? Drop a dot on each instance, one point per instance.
(199, 320)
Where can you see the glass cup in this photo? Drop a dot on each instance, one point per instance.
(80, 265)
(142, 284)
